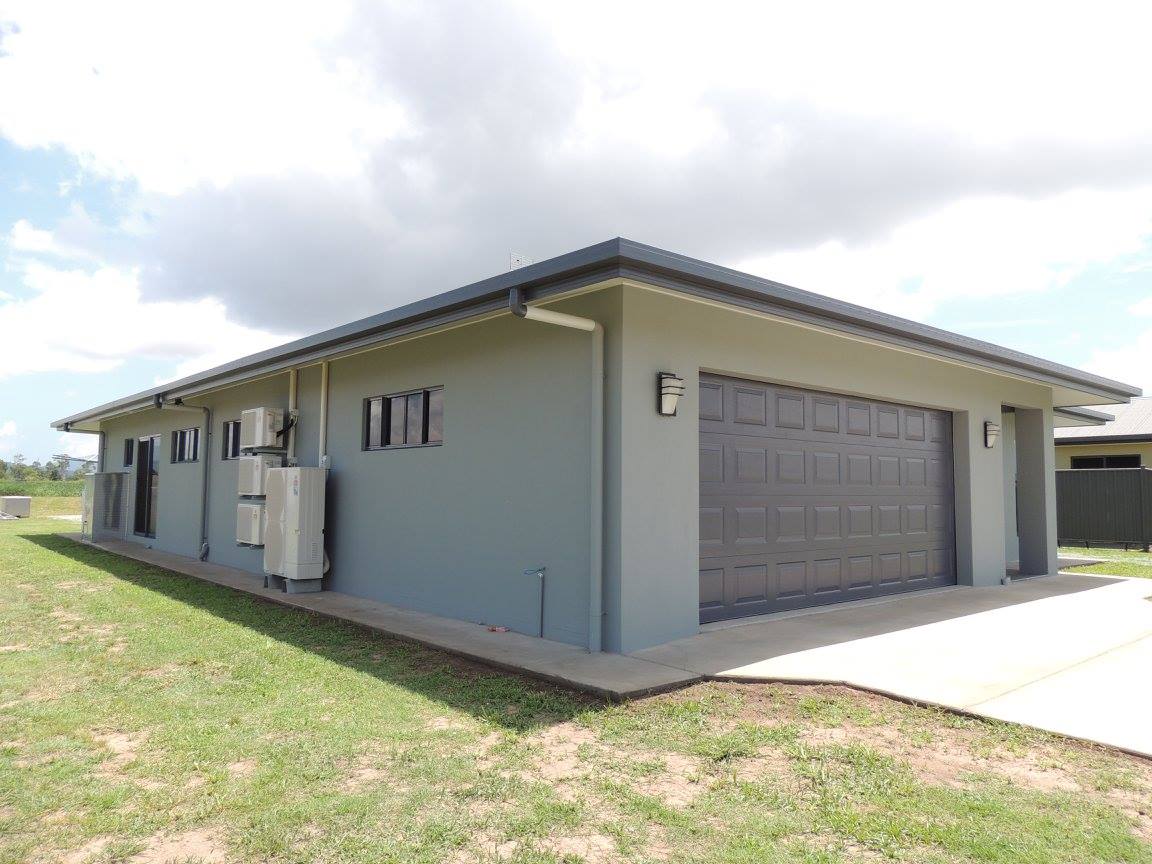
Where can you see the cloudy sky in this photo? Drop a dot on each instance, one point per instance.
(183, 183)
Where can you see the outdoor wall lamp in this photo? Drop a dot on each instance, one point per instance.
(991, 433)
(669, 389)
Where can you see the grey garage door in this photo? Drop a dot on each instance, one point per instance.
(809, 498)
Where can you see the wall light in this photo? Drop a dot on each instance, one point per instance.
(669, 389)
(991, 433)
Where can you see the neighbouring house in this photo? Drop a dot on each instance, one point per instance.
(1095, 503)
(820, 452)
(1122, 440)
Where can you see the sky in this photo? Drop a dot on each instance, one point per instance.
(185, 183)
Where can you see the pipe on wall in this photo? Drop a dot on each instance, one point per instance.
(293, 386)
(323, 436)
(596, 424)
(205, 460)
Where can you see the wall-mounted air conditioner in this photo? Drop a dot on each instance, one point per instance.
(250, 523)
(258, 428)
(253, 472)
(294, 531)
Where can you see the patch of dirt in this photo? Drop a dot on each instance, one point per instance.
(1137, 806)
(446, 724)
(768, 763)
(198, 845)
(242, 768)
(486, 846)
(88, 852)
(946, 762)
(591, 848)
(122, 746)
(369, 769)
(11, 649)
(567, 752)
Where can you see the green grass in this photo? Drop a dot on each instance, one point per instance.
(1119, 562)
(42, 488)
(146, 712)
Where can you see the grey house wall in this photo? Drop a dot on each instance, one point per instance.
(448, 529)
(451, 529)
(655, 564)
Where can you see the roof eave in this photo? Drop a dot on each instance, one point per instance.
(625, 259)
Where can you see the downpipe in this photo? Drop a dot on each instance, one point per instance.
(205, 460)
(521, 309)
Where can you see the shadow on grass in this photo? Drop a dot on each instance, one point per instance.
(510, 700)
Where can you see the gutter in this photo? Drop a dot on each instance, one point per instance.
(621, 259)
(205, 459)
(598, 432)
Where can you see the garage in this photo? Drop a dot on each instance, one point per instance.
(810, 498)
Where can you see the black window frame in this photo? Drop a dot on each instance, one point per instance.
(230, 437)
(129, 452)
(180, 447)
(1088, 463)
(384, 403)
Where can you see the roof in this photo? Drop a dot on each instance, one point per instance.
(621, 258)
(1131, 422)
(1066, 417)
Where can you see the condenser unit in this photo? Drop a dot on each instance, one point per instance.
(258, 428)
(250, 523)
(294, 530)
(253, 473)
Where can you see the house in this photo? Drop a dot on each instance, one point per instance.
(1122, 440)
(672, 442)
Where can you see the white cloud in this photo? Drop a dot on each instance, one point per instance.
(982, 247)
(176, 94)
(8, 429)
(1142, 307)
(77, 444)
(93, 320)
(1130, 363)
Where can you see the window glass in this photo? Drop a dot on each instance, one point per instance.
(404, 420)
(435, 416)
(231, 436)
(414, 433)
(129, 452)
(396, 419)
(375, 422)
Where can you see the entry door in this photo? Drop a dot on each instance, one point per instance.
(809, 498)
(147, 485)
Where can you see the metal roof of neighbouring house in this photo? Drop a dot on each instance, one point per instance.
(624, 259)
(1130, 422)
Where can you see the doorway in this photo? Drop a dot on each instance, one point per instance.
(147, 485)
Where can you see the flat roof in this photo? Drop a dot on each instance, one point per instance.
(621, 258)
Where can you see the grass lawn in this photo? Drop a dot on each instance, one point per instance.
(148, 717)
(1119, 562)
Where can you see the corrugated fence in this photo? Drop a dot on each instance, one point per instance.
(1110, 506)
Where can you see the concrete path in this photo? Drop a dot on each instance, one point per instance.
(614, 676)
(1070, 653)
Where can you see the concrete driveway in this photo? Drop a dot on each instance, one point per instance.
(1070, 653)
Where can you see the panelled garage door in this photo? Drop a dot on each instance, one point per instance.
(809, 498)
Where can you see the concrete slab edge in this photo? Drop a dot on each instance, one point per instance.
(572, 684)
(921, 703)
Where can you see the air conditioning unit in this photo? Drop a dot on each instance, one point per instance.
(294, 529)
(254, 472)
(258, 427)
(250, 523)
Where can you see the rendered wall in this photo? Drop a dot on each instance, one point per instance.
(448, 529)
(658, 558)
(178, 496)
